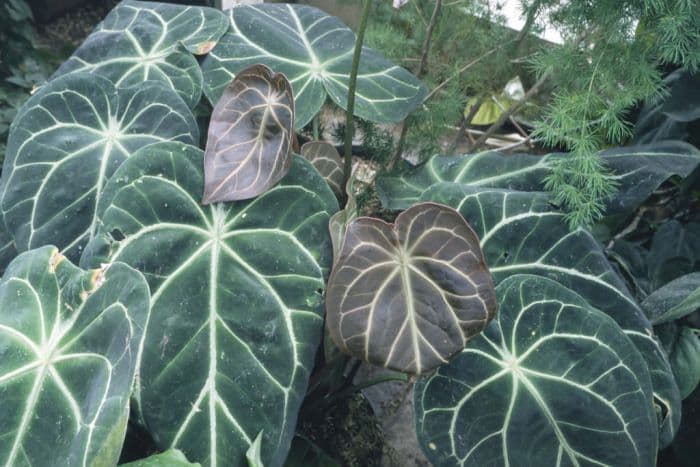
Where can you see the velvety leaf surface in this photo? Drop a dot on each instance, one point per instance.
(327, 161)
(68, 347)
(169, 458)
(674, 252)
(8, 251)
(148, 41)
(68, 140)
(639, 170)
(236, 314)
(523, 234)
(674, 300)
(249, 148)
(683, 348)
(315, 51)
(551, 382)
(409, 295)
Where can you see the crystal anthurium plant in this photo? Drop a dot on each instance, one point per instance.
(183, 291)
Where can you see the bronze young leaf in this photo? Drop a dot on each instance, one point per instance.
(325, 158)
(408, 296)
(249, 146)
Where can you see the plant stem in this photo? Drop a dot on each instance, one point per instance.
(454, 75)
(511, 110)
(340, 395)
(421, 71)
(315, 126)
(465, 123)
(429, 38)
(347, 167)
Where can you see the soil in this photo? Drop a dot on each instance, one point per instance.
(70, 29)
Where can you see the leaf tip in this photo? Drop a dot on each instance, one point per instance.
(205, 47)
(55, 260)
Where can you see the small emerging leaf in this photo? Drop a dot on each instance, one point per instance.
(325, 158)
(253, 455)
(410, 295)
(249, 148)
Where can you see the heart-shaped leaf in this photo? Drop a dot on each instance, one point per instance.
(314, 50)
(521, 233)
(249, 148)
(142, 41)
(68, 140)
(68, 351)
(236, 314)
(410, 295)
(327, 161)
(639, 170)
(550, 382)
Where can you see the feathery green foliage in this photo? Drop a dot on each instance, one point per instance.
(467, 33)
(610, 61)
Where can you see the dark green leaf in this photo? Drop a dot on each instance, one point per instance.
(683, 348)
(523, 234)
(7, 248)
(315, 51)
(550, 382)
(69, 341)
(674, 252)
(68, 140)
(237, 300)
(142, 41)
(639, 170)
(169, 458)
(675, 300)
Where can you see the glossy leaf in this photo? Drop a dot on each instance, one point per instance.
(521, 233)
(236, 315)
(249, 148)
(409, 295)
(169, 458)
(68, 347)
(327, 161)
(675, 300)
(68, 140)
(639, 170)
(550, 382)
(147, 41)
(314, 50)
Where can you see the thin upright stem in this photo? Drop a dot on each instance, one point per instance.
(349, 130)
(532, 92)
(421, 71)
(315, 127)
